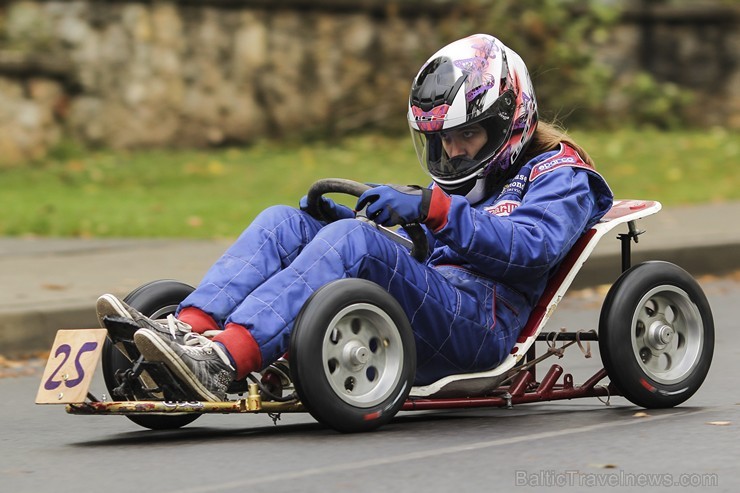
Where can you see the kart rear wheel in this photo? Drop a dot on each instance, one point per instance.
(156, 299)
(656, 335)
(352, 355)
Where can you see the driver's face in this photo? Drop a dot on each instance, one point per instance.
(465, 142)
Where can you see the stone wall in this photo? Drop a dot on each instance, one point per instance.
(136, 74)
(132, 73)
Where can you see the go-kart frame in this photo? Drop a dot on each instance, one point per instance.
(352, 354)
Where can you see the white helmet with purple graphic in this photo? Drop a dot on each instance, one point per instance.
(474, 82)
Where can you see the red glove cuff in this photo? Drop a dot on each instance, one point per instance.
(439, 208)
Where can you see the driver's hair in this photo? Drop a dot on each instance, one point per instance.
(547, 137)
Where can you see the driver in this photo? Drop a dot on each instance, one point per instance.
(509, 197)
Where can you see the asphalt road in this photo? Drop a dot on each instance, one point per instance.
(580, 445)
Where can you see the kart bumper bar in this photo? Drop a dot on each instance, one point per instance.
(172, 407)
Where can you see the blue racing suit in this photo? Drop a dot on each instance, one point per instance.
(467, 303)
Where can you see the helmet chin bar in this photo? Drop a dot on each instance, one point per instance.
(478, 192)
(473, 189)
(462, 184)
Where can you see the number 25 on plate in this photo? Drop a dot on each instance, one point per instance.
(69, 370)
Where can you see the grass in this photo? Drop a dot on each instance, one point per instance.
(214, 194)
(672, 167)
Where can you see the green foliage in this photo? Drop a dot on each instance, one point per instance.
(558, 40)
(24, 29)
(215, 194)
(66, 149)
(652, 103)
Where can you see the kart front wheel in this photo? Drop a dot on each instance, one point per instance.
(352, 355)
(656, 335)
(156, 300)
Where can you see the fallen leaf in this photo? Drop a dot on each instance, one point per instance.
(603, 289)
(195, 221)
(75, 166)
(640, 414)
(719, 423)
(604, 466)
(54, 287)
(215, 168)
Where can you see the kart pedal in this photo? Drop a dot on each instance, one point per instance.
(168, 385)
(151, 380)
(120, 329)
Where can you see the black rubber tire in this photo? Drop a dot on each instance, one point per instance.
(390, 361)
(678, 335)
(156, 299)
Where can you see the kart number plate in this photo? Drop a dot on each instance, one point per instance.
(71, 365)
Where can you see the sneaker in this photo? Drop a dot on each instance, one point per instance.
(204, 367)
(110, 306)
(170, 328)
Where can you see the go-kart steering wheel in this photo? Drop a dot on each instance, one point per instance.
(419, 244)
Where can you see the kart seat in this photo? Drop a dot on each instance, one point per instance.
(622, 211)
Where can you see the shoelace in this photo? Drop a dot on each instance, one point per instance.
(195, 340)
(174, 325)
(196, 343)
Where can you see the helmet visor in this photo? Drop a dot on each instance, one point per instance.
(446, 162)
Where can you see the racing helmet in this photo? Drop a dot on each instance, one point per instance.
(473, 81)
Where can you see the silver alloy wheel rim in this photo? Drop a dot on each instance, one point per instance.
(162, 312)
(362, 355)
(667, 334)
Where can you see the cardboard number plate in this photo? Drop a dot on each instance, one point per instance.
(69, 370)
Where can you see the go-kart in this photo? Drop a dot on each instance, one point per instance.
(352, 358)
